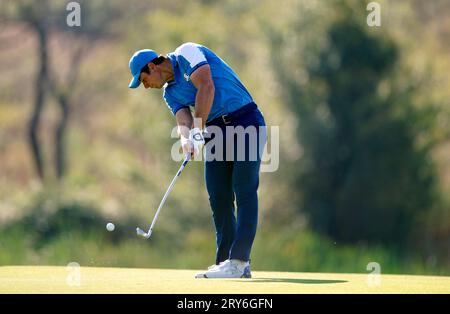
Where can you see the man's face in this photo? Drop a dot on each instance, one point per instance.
(152, 79)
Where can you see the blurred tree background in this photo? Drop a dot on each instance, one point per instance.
(363, 114)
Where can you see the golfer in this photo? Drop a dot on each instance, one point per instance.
(194, 77)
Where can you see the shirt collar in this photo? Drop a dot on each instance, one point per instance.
(174, 62)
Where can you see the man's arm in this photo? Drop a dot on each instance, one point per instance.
(184, 122)
(202, 80)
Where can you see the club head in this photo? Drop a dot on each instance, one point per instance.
(142, 233)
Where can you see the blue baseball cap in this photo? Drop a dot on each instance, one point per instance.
(139, 59)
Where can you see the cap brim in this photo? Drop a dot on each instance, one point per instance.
(135, 82)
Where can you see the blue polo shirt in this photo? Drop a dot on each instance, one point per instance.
(230, 94)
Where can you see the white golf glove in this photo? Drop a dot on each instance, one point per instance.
(194, 143)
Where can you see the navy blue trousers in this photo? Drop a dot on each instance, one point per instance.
(236, 180)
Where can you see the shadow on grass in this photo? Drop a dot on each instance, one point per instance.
(291, 280)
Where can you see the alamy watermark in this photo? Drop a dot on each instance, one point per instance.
(374, 278)
(236, 143)
(74, 16)
(73, 278)
(374, 17)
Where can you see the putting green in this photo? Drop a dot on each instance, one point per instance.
(47, 279)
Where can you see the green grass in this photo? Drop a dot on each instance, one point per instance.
(47, 279)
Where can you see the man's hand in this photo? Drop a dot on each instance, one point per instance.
(196, 137)
(193, 145)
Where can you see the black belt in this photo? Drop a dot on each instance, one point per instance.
(230, 117)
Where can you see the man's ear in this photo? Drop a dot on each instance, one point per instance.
(151, 65)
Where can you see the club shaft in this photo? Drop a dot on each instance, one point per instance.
(168, 191)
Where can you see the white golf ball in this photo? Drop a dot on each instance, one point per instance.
(110, 226)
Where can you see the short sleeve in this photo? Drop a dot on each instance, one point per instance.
(190, 57)
(173, 105)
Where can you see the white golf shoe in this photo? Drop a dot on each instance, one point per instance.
(202, 274)
(228, 269)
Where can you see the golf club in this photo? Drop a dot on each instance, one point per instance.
(147, 235)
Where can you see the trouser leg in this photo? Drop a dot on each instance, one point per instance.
(218, 177)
